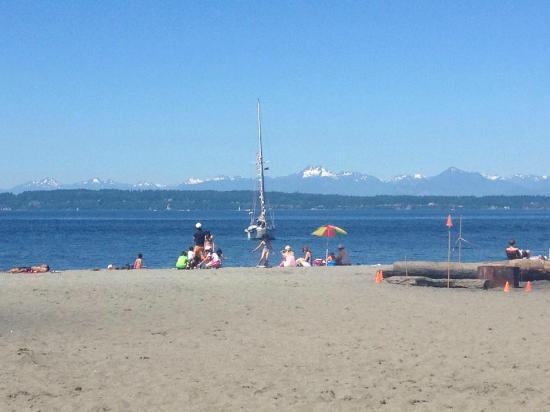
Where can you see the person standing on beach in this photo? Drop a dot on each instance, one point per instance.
(265, 244)
(198, 239)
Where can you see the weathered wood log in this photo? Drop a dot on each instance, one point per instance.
(499, 275)
(438, 283)
(529, 269)
(533, 274)
(434, 270)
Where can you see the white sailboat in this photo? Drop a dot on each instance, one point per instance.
(261, 224)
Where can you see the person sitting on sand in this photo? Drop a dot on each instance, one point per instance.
(183, 261)
(215, 260)
(288, 257)
(265, 244)
(342, 258)
(211, 260)
(43, 268)
(331, 259)
(191, 257)
(513, 252)
(307, 260)
(138, 263)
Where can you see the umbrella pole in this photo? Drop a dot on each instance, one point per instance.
(326, 254)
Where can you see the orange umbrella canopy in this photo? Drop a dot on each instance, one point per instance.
(329, 231)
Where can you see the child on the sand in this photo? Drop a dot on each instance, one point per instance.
(183, 261)
(138, 263)
(331, 259)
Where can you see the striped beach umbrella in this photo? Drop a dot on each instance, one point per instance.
(328, 231)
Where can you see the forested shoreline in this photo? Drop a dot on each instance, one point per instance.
(234, 200)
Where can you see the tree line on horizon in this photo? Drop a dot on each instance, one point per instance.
(110, 199)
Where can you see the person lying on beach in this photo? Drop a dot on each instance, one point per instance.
(43, 268)
(288, 257)
(307, 260)
(138, 263)
(127, 266)
(513, 252)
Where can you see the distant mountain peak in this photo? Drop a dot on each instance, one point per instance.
(48, 181)
(198, 181)
(405, 177)
(455, 170)
(493, 178)
(148, 185)
(93, 181)
(319, 179)
(317, 171)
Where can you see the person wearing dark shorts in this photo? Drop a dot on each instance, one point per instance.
(198, 239)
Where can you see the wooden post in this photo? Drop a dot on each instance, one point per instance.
(449, 225)
(449, 262)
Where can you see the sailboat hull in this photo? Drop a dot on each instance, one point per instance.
(257, 232)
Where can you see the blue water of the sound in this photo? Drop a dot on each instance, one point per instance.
(94, 239)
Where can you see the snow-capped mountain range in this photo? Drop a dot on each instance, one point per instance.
(318, 179)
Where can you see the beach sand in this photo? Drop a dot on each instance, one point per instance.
(313, 339)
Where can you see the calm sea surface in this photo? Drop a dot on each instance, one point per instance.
(94, 239)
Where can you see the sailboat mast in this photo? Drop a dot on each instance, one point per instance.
(261, 167)
(460, 241)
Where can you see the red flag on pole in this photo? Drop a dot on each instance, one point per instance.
(449, 223)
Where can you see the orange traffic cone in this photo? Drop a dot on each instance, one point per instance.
(507, 287)
(377, 277)
(528, 288)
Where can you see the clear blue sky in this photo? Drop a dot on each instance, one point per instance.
(166, 90)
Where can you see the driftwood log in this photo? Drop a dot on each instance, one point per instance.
(529, 269)
(434, 270)
(499, 275)
(438, 283)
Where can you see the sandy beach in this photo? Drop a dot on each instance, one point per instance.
(267, 339)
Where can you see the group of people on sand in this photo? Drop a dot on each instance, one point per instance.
(202, 255)
(288, 257)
